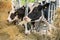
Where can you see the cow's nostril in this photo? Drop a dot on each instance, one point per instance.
(7, 20)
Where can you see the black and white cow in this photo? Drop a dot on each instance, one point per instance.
(35, 14)
(14, 15)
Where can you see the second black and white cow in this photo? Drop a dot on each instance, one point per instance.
(35, 14)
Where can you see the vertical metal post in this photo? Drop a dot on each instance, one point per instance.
(47, 0)
(54, 11)
(16, 4)
(36, 1)
(58, 3)
(20, 3)
(49, 13)
(26, 4)
(26, 12)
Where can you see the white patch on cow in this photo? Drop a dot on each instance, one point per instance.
(27, 19)
(16, 18)
(26, 30)
(9, 19)
(32, 7)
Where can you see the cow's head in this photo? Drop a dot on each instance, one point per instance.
(12, 16)
(15, 15)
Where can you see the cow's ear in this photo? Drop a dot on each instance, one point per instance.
(23, 7)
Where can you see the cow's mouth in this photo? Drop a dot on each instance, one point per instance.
(15, 22)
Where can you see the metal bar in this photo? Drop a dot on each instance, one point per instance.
(48, 1)
(26, 13)
(16, 4)
(54, 12)
(36, 1)
(20, 3)
(59, 3)
(51, 11)
(26, 10)
(49, 14)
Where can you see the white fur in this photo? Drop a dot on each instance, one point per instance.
(27, 31)
(27, 20)
(9, 19)
(32, 7)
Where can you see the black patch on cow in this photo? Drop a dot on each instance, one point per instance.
(46, 5)
(45, 11)
(28, 26)
(19, 12)
(43, 2)
(12, 16)
(36, 13)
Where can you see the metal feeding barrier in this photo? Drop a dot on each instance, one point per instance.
(58, 3)
(51, 13)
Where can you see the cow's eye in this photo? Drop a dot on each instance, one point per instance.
(12, 16)
(45, 7)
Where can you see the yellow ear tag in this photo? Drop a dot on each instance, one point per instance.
(45, 7)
